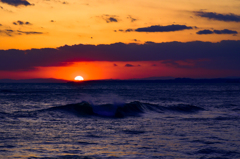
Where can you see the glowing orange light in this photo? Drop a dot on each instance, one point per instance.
(79, 78)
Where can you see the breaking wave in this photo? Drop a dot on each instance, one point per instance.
(121, 110)
(85, 109)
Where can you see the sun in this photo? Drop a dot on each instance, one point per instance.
(79, 78)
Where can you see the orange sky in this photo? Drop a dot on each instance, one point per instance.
(115, 70)
(52, 24)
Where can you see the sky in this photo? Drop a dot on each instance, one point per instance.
(119, 39)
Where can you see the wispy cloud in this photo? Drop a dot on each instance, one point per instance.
(10, 32)
(110, 18)
(131, 18)
(130, 65)
(225, 31)
(217, 16)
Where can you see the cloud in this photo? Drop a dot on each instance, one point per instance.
(158, 28)
(28, 32)
(115, 18)
(16, 2)
(19, 22)
(196, 54)
(129, 65)
(217, 16)
(131, 18)
(225, 31)
(10, 32)
(5, 9)
(136, 40)
(182, 63)
(110, 18)
(129, 30)
(7, 32)
(204, 32)
(115, 64)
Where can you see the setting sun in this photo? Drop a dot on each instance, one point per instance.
(78, 78)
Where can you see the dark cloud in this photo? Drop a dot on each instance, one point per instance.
(129, 65)
(16, 2)
(221, 55)
(115, 64)
(217, 16)
(158, 28)
(19, 22)
(10, 32)
(110, 18)
(204, 32)
(225, 31)
(168, 28)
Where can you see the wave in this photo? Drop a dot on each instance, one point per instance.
(85, 109)
(135, 108)
(104, 110)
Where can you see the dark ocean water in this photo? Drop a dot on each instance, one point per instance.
(120, 120)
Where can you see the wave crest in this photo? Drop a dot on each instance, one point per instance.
(135, 108)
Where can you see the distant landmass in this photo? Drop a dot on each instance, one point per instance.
(36, 80)
(151, 79)
(156, 78)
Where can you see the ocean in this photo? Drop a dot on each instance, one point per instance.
(120, 120)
